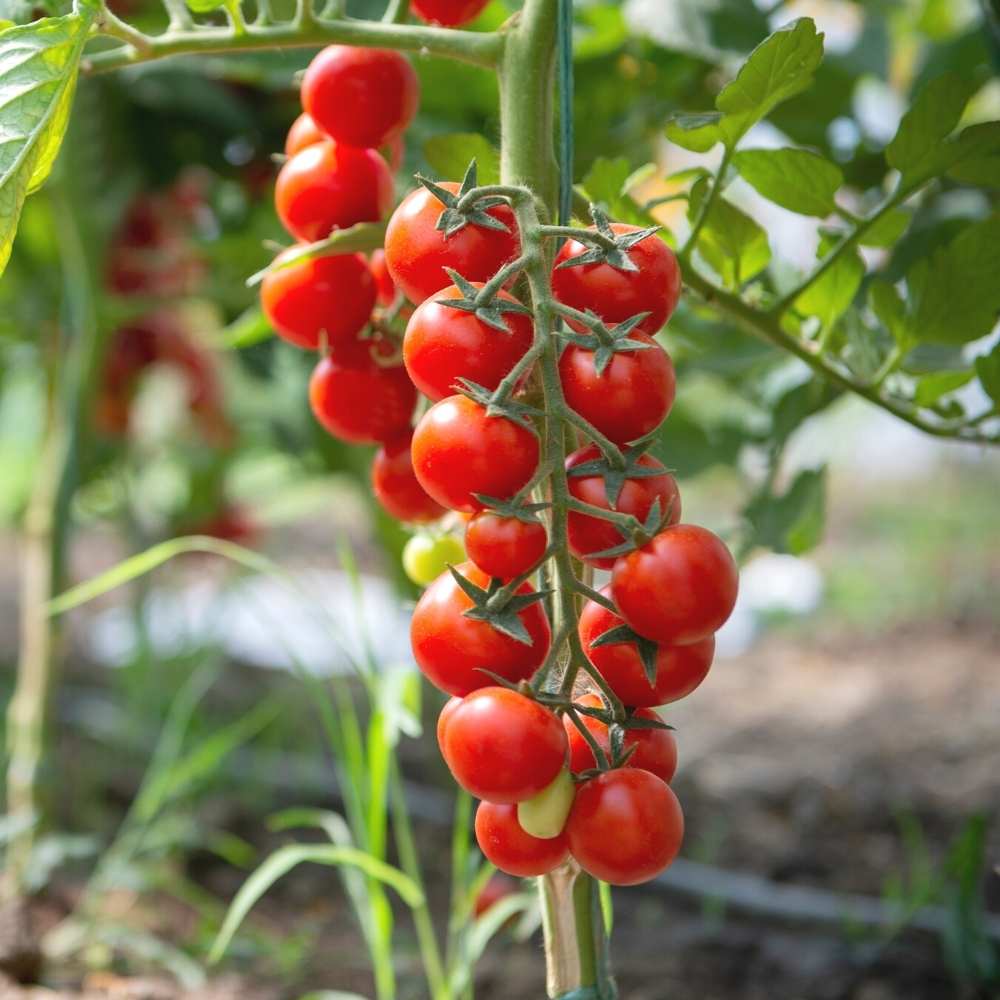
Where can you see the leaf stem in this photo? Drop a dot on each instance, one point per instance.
(718, 183)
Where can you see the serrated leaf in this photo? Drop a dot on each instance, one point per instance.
(730, 242)
(796, 179)
(829, 296)
(792, 522)
(694, 130)
(988, 370)
(933, 387)
(39, 63)
(449, 155)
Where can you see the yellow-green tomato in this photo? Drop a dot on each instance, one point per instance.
(426, 557)
(544, 816)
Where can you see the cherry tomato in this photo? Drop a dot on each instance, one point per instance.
(361, 97)
(679, 669)
(503, 747)
(588, 534)
(678, 588)
(396, 487)
(448, 13)
(459, 451)
(385, 287)
(443, 719)
(393, 152)
(631, 396)
(325, 187)
(450, 649)
(616, 295)
(544, 815)
(512, 850)
(304, 132)
(626, 826)
(426, 557)
(417, 253)
(504, 547)
(655, 749)
(332, 295)
(444, 344)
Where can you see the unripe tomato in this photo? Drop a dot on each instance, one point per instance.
(631, 396)
(450, 649)
(679, 669)
(361, 97)
(504, 547)
(396, 487)
(588, 534)
(332, 295)
(385, 287)
(503, 747)
(544, 815)
(616, 295)
(417, 253)
(447, 13)
(326, 186)
(426, 557)
(458, 451)
(513, 851)
(443, 344)
(655, 749)
(679, 588)
(626, 826)
(304, 132)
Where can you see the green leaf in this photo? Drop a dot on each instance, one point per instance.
(451, 154)
(830, 295)
(39, 63)
(792, 522)
(888, 306)
(607, 183)
(931, 388)
(730, 242)
(975, 155)
(796, 179)
(696, 131)
(887, 230)
(249, 328)
(988, 370)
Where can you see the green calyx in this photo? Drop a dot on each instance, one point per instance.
(484, 303)
(608, 247)
(605, 341)
(614, 476)
(497, 606)
(453, 218)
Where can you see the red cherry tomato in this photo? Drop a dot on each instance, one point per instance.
(679, 669)
(626, 826)
(331, 295)
(678, 588)
(631, 396)
(396, 487)
(443, 719)
(450, 649)
(512, 850)
(325, 187)
(444, 344)
(588, 534)
(360, 401)
(385, 287)
(459, 451)
(502, 746)
(304, 132)
(448, 13)
(655, 749)
(504, 547)
(618, 295)
(417, 253)
(361, 97)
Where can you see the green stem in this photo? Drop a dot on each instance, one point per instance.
(718, 182)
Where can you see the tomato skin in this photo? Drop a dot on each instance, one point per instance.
(504, 547)
(503, 747)
(450, 648)
(385, 287)
(679, 588)
(513, 851)
(459, 451)
(590, 534)
(304, 132)
(626, 826)
(334, 295)
(618, 295)
(360, 97)
(655, 749)
(679, 669)
(631, 397)
(443, 720)
(448, 13)
(396, 487)
(416, 253)
(327, 186)
(443, 344)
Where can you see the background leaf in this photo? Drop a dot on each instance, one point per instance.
(450, 155)
(796, 179)
(730, 242)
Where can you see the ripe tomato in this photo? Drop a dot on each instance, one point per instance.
(325, 187)
(512, 850)
(448, 13)
(304, 132)
(626, 826)
(618, 295)
(426, 557)
(502, 746)
(504, 547)
(631, 396)
(396, 487)
(655, 749)
(444, 344)
(361, 97)
(385, 287)
(331, 295)
(443, 719)
(588, 534)
(459, 451)
(360, 401)
(679, 669)
(417, 253)
(450, 649)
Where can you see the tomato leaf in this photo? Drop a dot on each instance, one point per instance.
(933, 387)
(887, 230)
(694, 130)
(791, 522)
(829, 296)
(449, 155)
(988, 370)
(888, 306)
(796, 179)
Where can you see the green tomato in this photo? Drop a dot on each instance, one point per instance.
(544, 816)
(426, 557)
